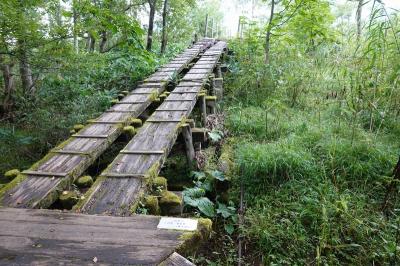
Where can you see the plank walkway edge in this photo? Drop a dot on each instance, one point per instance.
(51, 237)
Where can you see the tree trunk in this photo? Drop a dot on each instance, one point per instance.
(103, 41)
(91, 43)
(239, 24)
(206, 27)
(212, 28)
(359, 13)
(268, 35)
(58, 14)
(25, 69)
(164, 27)
(152, 4)
(8, 84)
(75, 30)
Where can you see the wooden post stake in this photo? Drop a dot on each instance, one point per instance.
(218, 88)
(203, 108)
(187, 135)
(218, 71)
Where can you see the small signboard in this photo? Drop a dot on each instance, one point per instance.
(177, 224)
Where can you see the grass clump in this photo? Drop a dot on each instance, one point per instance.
(275, 163)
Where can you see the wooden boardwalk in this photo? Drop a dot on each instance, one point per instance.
(96, 232)
(125, 181)
(40, 186)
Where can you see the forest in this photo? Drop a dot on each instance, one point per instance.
(303, 161)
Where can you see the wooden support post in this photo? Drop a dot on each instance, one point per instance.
(211, 103)
(218, 88)
(203, 108)
(218, 71)
(187, 135)
(199, 135)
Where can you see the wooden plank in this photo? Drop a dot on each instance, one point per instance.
(131, 102)
(48, 237)
(41, 173)
(164, 121)
(123, 175)
(176, 260)
(171, 110)
(93, 136)
(178, 100)
(141, 152)
(71, 152)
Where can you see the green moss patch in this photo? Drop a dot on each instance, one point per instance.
(160, 183)
(151, 204)
(169, 200)
(68, 199)
(129, 130)
(11, 174)
(84, 181)
(192, 240)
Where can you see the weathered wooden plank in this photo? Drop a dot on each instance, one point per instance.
(93, 136)
(40, 173)
(71, 152)
(141, 152)
(46, 237)
(200, 71)
(195, 77)
(176, 260)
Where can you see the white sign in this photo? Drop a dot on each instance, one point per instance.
(177, 224)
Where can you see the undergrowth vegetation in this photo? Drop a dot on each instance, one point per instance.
(81, 89)
(316, 141)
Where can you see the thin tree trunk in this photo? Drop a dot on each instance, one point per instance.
(91, 43)
(164, 27)
(75, 23)
(58, 14)
(268, 36)
(25, 69)
(212, 28)
(359, 13)
(239, 24)
(152, 4)
(103, 41)
(8, 84)
(206, 27)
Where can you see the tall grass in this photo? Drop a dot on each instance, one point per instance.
(316, 142)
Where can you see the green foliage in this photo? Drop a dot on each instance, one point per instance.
(317, 139)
